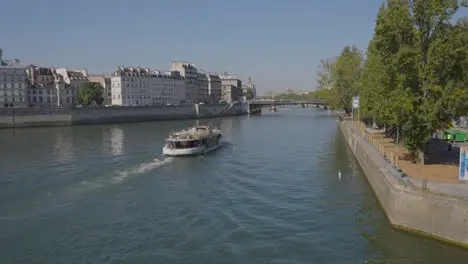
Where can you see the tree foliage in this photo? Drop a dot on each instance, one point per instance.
(90, 93)
(249, 94)
(413, 76)
(342, 75)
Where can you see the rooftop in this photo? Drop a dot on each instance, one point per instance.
(227, 76)
(144, 72)
(11, 64)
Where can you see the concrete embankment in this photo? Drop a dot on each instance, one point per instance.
(33, 117)
(406, 205)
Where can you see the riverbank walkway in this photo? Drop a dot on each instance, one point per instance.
(438, 175)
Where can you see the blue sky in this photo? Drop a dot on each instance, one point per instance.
(278, 42)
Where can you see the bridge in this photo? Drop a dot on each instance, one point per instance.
(303, 103)
(256, 106)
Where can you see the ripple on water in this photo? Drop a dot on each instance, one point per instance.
(258, 199)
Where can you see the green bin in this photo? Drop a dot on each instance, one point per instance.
(454, 135)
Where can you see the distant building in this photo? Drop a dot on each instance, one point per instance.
(135, 86)
(50, 87)
(231, 93)
(203, 88)
(228, 79)
(190, 72)
(42, 90)
(13, 83)
(250, 85)
(214, 88)
(105, 81)
(231, 87)
(67, 84)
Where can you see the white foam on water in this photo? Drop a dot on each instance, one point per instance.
(118, 177)
(142, 168)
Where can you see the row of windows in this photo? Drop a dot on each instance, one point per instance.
(147, 102)
(13, 78)
(13, 85)
(44, 79)
(9, 93)
(48, 91)
(12, 99)
(149, 90)
(34, 99)
(141, 97)
(154, 86)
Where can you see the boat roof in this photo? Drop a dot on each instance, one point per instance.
(193, 133)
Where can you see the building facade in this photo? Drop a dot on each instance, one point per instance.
(67, 84)
(203, 87)
(190, 72)
(105, 81)
(134, 86)
(250, 86)
(231, 93)
(13, 83)
(231, 86)
(41, 87)
(214, 88)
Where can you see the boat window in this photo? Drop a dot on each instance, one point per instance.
(183, 144)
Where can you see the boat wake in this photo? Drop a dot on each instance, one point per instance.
(142, 168)
(82, 187)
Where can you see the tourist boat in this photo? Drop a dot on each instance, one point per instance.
(197, 140)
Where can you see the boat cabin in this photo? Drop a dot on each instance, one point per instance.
(183, 144)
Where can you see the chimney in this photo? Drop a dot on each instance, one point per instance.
(1, 53)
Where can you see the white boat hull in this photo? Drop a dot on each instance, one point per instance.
(173, 152)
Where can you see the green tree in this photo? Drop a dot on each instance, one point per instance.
(90, 93)
(342, 77)
(324, 71)
(249, 94)
(433, 106)
(412, 79)
(389, 67)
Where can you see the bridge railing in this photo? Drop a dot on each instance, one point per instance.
(318, 101)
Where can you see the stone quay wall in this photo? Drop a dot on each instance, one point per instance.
(36, 117)
(407, 206)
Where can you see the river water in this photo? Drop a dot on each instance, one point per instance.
(271, 194)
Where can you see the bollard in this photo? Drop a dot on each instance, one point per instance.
(424, 184)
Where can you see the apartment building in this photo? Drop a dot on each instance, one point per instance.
(67, 84)
(229, 79)
(203, 87)
(190, 72)
(105, 81)
(231, 93)
(41, 87)
(135, 86)
(231, 87)
(214, 88)
(13, 83)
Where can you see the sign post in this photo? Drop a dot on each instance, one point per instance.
(356, 105)
(463, 175)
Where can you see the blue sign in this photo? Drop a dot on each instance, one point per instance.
(463, 176)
